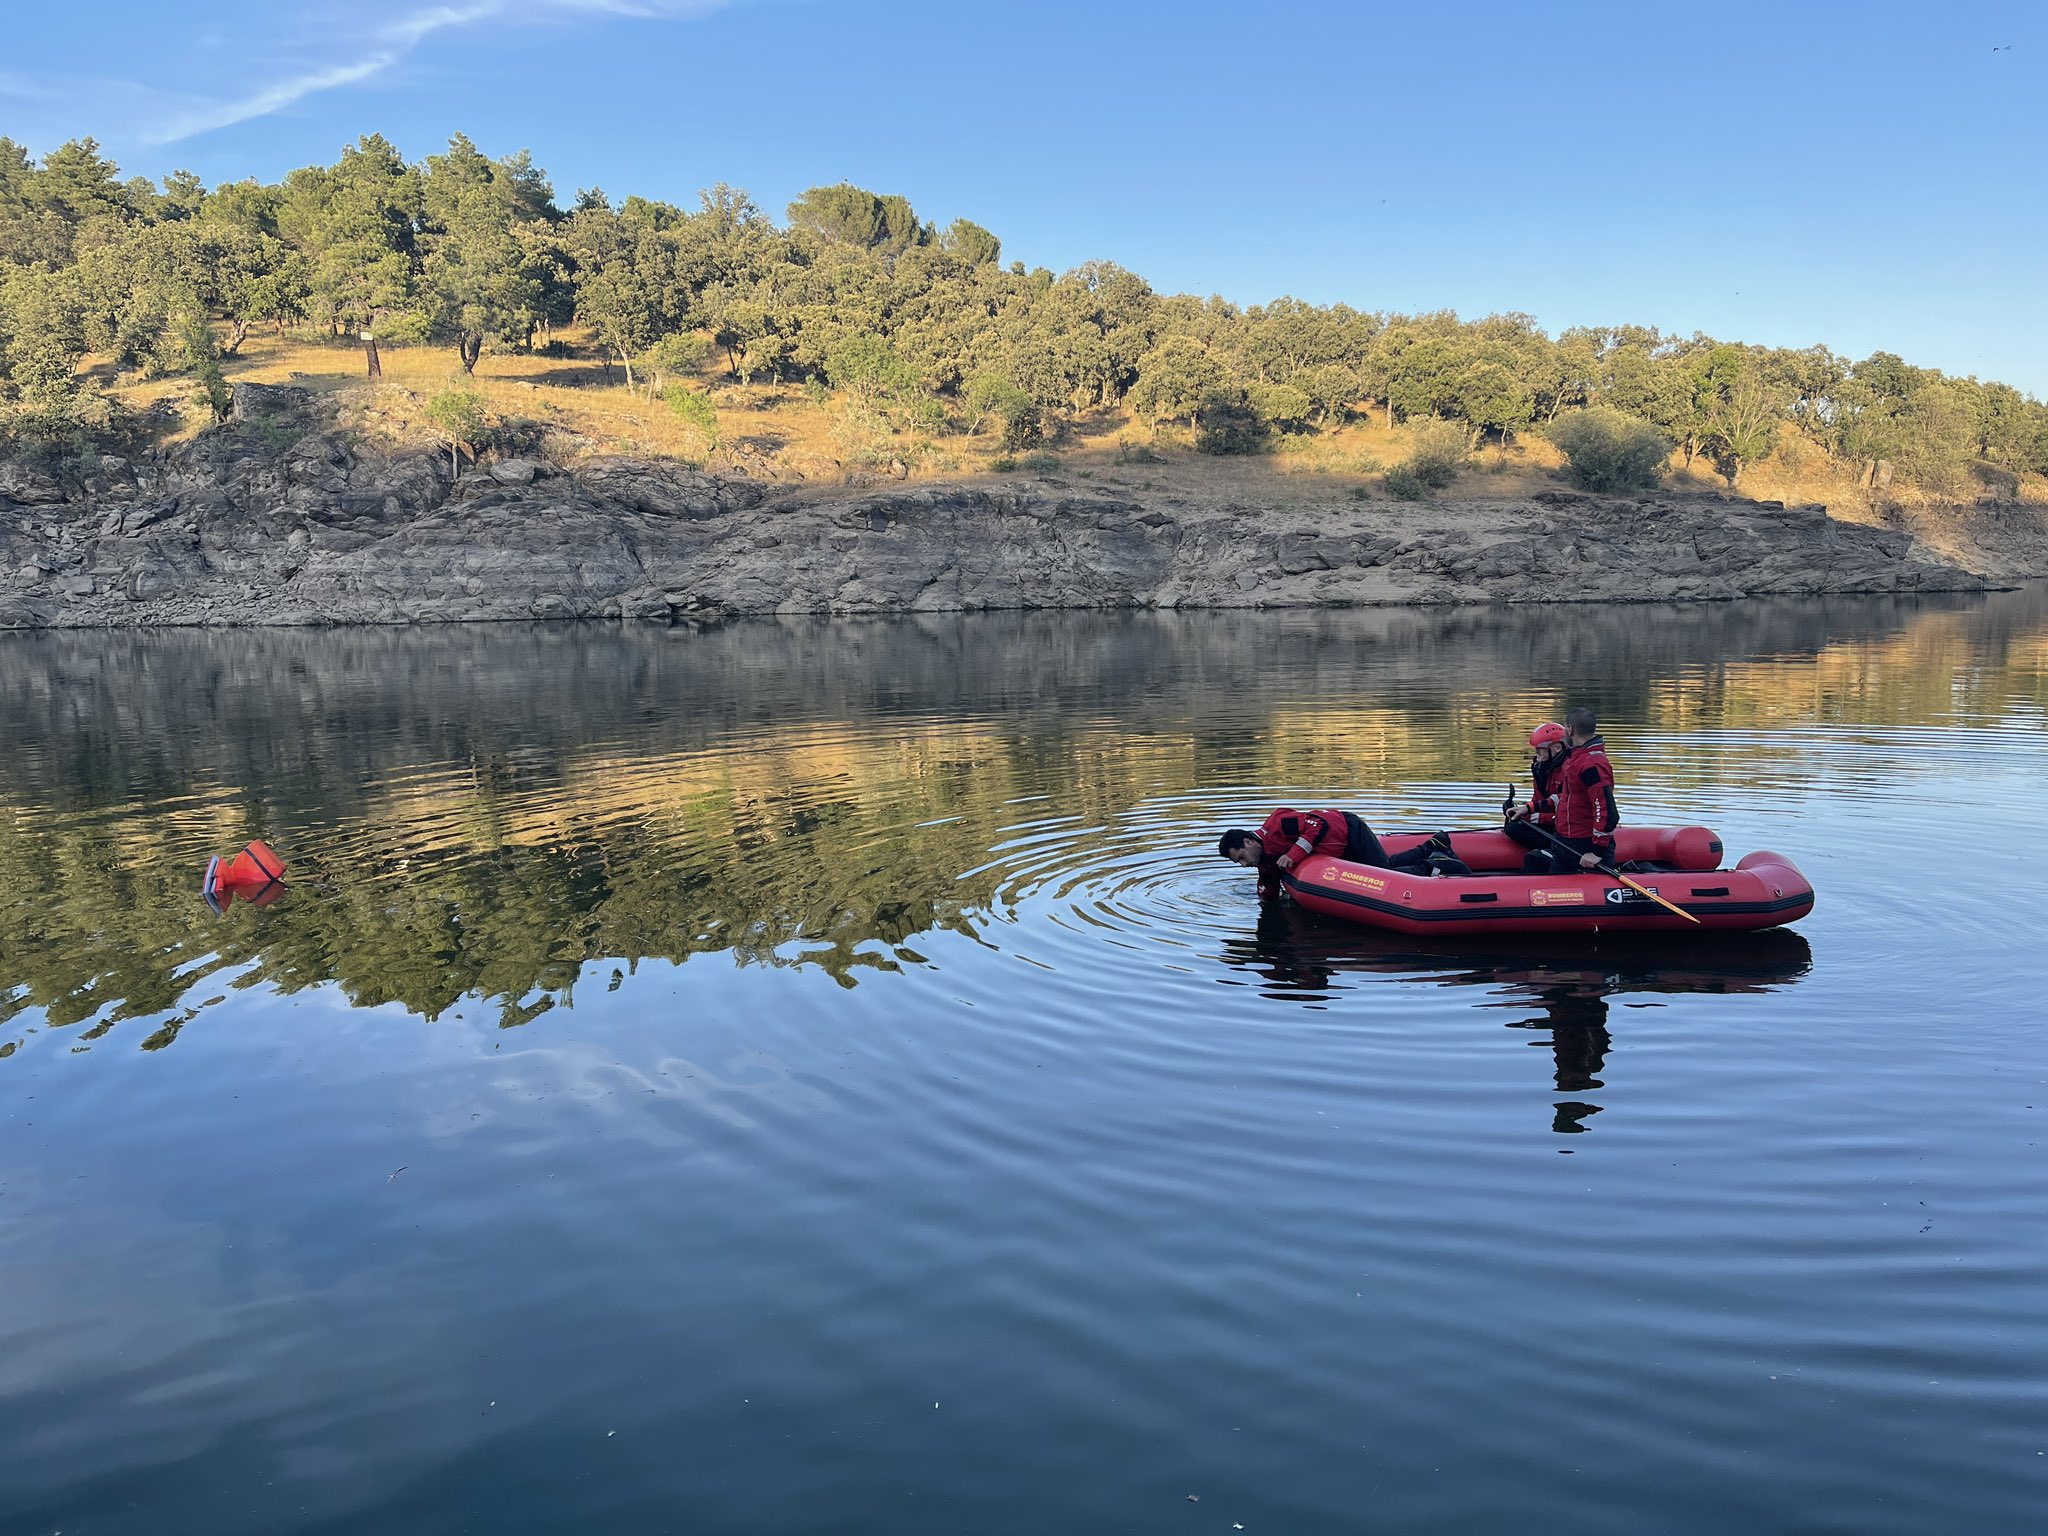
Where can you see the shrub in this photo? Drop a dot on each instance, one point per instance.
(52, 438)
(202, 351)
(520, 436)
(925, 413)
(862, 435)
(1406, 484)
(694, 410)
(1227, 423)
(277, 434)
(1002, 465)
(989, 396)
(1023, 423)
(1282, 404)
(1038, 464)
(1437, 456)
(867, 369)
(459, 416)
(1128, 452)
(682, 353)
(1606, 450)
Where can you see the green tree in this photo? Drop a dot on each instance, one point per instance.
(854, 216)
(1742, 407)
(481, 282)
(990, 395)
(1330, 387)
(1287, 406)
(1174, 378)
(625, 278)
(867, 371)
(1939, 437)
(969, 243)
(463, 419)
(1490, 398)
(1424, 379)
(2004, 426)
(1226, 422)
(43, 321)
(357, 224)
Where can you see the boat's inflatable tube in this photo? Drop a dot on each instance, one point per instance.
(1762, 891)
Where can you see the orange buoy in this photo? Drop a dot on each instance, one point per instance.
(256, 875)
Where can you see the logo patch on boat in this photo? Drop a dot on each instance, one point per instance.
(1352, 877)
(1622, 896)
(1557, 898)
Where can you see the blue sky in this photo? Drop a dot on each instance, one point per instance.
(1865, 175)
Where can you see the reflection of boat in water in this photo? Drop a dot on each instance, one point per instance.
(1297, 953)
(1550, 985)
(1762, 891)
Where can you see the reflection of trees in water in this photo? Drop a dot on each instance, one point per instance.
(486, 809)
(1567, 981)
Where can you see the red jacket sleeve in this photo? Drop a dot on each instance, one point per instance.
(1600, 789)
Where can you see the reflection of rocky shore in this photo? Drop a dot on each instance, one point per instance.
(486, 808)
(1556, 988)
(457, 691)
(277, 521)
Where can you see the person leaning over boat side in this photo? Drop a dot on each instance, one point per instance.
(1547, 749)
(1289, 836)
(1584, 779)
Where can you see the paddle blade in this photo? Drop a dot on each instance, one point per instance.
(1645, 891)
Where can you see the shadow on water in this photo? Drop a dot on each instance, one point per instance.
(1560, 988)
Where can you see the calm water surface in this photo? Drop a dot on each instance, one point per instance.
(818, 1077)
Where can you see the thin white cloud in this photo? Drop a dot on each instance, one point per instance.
(393, 43)
(23, 88)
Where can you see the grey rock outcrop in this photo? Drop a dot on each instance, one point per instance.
(277, 520)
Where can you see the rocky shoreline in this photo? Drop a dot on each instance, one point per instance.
(279, 519)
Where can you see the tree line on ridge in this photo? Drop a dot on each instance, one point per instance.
(854, 296)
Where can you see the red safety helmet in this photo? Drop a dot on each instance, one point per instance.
(1546, 734)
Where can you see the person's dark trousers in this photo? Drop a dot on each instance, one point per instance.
(1362, 846)
(1539, 860)
(1543, 857)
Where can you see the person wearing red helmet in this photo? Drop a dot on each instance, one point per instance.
(1288, 837)
(1547, 745)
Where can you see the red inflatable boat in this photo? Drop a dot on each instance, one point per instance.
(1762, 891)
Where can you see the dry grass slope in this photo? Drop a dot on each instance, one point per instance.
(578, 407)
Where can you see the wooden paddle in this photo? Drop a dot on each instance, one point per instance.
(1608, 870)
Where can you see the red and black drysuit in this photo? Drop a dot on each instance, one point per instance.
(1586, 812)
(1540, 811)
(1297, 835)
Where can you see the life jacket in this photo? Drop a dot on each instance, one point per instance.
(1583, 786)
(1543, 798)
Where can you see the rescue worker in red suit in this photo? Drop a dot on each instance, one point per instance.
(1584, 784)
(1288, 837)
(1547, 745)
